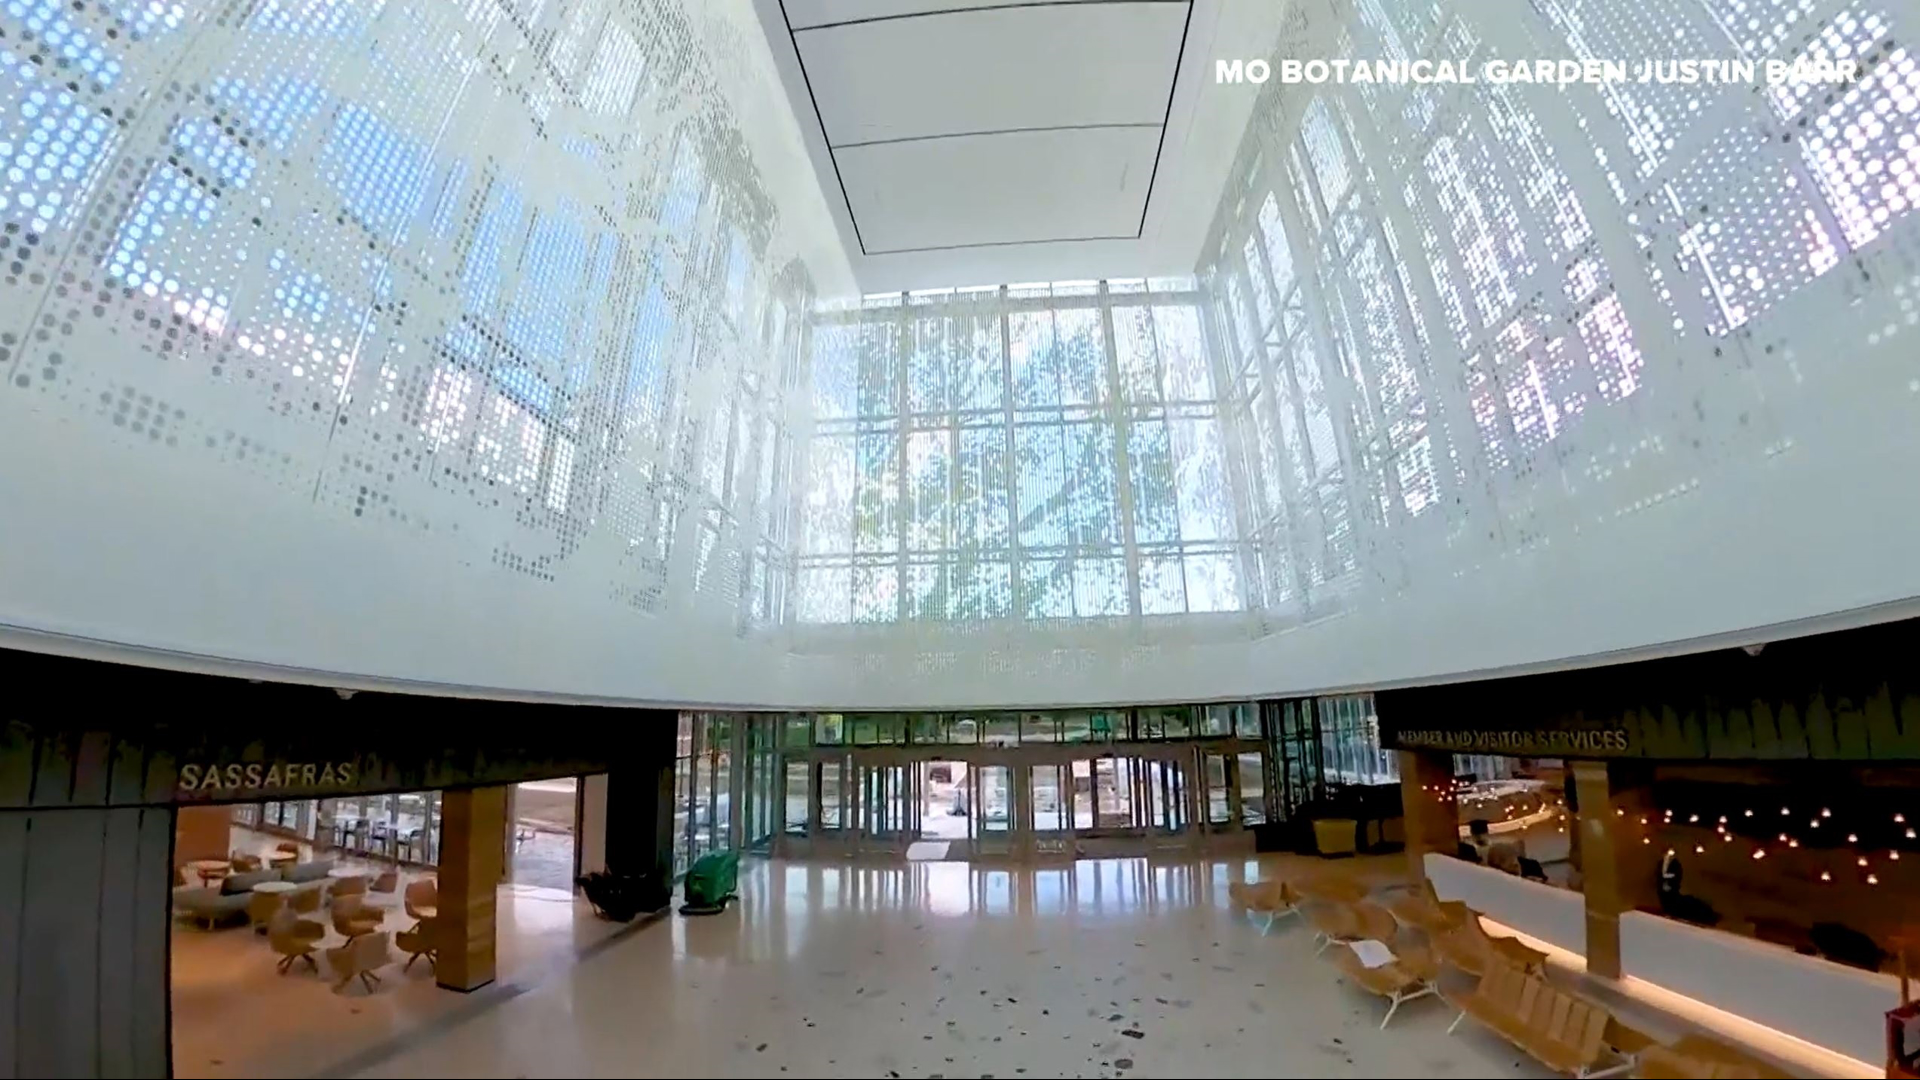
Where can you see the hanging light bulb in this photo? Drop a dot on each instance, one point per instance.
(1899, 819)
(1814, 824)
(1619, 813)
(1699, 850)
(1824, 876)
(1894, 855)
(1793, 843)
(1825, 812)
(1749, 813)
(1759, 853)
(1783, 838)
(1853, 838)
(1723, 819)
(1728, 837)
(1643, 821)
(1909, 834)
(1873, 879)
(1783, 811)
(1692, 818)
(1646, 839)
(1863, 860)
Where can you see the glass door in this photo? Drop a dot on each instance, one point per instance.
(1167, 793)
(990, 817)
(1113, 791)
(1051, 803)
(886, 810)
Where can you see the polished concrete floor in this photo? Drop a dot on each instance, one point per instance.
(1122, 967)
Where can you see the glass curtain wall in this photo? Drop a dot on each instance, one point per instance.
(728, 787)
(1019, 452)
(1417, 310)
(404, 827)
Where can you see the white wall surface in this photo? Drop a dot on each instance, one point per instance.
(1840, 1008)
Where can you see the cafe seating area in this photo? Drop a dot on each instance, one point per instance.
(311, 906)
(340, 965)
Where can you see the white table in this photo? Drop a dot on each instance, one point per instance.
(343, 872)
(277, 890)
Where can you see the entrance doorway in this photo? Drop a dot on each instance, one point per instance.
(944, 802)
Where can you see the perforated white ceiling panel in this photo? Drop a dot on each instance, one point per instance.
(487, 344)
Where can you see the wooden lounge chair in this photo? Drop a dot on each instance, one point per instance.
(1465, 944)
(1265, 901)
(1342, 923)
(1562, 1031)
(1419, 907)
(1412, 974)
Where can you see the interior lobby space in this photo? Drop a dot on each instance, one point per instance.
(947, 538)
(1109, 967)
(249, 998)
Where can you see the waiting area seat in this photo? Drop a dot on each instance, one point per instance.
(1341, 923)
(1561, 1030)
(1411, 972)
(1464, 944)
(1265, 901)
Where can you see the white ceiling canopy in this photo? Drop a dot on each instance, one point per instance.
(981, 141)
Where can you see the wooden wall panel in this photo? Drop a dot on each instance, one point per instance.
(83, 942)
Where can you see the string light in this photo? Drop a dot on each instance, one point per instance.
(1872, 880)
(1825, 812)
(1899, 819)
(1759, 854)
(1749, 813)
(1863, 860)
(1699, 850)
(1853, 838)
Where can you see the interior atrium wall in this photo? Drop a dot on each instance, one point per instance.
(444, 341)
(1515, 374)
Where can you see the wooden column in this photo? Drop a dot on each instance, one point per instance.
(1431, 815)
(203, 832)
(473, 825)
(1617, 870)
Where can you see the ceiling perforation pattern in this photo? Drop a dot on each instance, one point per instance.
(473, 342)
